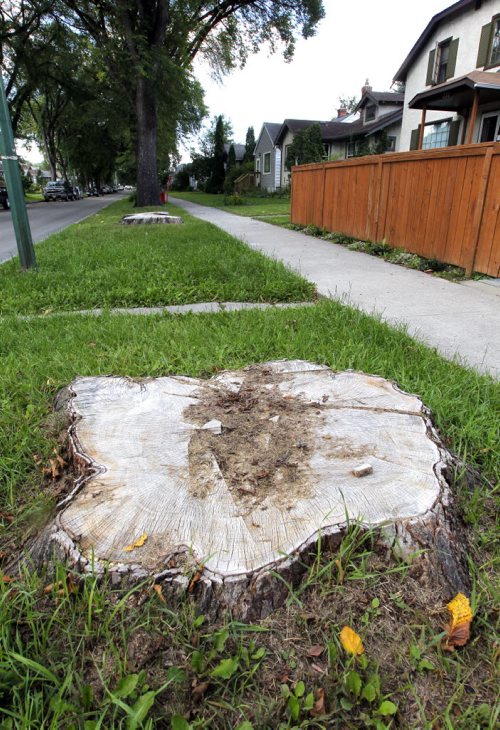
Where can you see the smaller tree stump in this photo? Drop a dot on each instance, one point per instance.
(224, 487)
(151, 217)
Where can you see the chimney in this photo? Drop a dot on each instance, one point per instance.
(366, 87)
(342, 112)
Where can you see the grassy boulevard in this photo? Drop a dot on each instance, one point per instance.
(96, 656)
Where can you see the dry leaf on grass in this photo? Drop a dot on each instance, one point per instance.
(351, 641)
(196, 578)
(159, 592)
(138, 543)
(315, 650)
(61, 587)
(7, 579)
(319, 705)
(198, 691)
(458, 628)
(6, 517)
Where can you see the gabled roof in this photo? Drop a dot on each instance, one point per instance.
(239, 149)
(447, 14)
(458, 93)
(335, 131)
(381, 98)
(295, 125)
(273, 129)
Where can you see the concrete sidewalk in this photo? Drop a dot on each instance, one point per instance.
(462, 321)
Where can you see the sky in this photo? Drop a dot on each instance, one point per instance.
(355, 41)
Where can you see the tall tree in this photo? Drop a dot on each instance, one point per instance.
(216, 182)
(138, 37)
(249, 145)
(231, 158)
(306, 147)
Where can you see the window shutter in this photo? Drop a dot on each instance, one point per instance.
(414, 138)
(452, 59)
(453, 134)
(430, 68)
(484, 44)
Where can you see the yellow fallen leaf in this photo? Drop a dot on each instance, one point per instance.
(138, 543)
(351, 641)
(458, 629)
(461, 612)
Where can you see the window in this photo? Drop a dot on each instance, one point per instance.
(442, 62)
(490, 128)
(488, 54)
(267, 163)
(326, 150)
(257, 164)
(436, 135)
(352, 149)
(442, 58)
(370, 112)
(287, 150)
(391, 144)
(494, 54)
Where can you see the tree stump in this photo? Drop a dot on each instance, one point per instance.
(223, 487)
(151, 217)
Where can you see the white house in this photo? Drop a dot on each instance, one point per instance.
(452, 93)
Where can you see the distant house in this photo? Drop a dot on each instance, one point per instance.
(267, 157)
(349, 135)
(452, 85)
(239, 150)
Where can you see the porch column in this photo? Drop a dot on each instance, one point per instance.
(422, 125)
(473, 116)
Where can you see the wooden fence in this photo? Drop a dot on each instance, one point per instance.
(443, 204)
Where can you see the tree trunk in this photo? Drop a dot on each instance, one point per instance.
(223, 489)
(148, 188)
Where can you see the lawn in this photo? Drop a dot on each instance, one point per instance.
(97, 656)
(247, 205)
(101, 263)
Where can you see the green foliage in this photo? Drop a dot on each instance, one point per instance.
(100, 263)
(231, 158)
(234, 174)
(249, 145)
(306, 147)
(216, 181)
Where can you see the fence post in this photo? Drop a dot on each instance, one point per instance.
(478, 213)
(374, 201)
(323, 197)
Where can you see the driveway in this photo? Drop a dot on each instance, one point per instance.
(47, 218)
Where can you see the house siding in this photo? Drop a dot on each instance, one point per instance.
(271, 180)
(467, 28)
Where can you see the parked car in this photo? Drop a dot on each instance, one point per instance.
(4, 198)
(58, 190)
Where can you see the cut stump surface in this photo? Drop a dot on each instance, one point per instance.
(243, 473)
(151, 217)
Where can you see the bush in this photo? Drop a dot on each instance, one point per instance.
(233, 199)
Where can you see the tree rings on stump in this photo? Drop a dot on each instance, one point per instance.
(220, 486)
(151, 217)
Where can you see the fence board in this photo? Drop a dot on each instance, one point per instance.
(442, 203)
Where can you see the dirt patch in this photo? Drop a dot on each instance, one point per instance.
(264, 446)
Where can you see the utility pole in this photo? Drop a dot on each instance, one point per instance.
(15, 191)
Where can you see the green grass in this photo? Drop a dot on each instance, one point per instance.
(104, 656)
(250, 205)
(101, 263)
(33, 197)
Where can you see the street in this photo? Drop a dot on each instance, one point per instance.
(47, 218)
